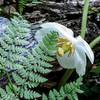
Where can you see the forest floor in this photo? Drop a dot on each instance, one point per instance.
(70, 15)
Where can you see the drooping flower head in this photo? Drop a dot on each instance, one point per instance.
(72, 51)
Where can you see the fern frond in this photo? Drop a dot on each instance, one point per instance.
(7, 95)
(21, 5)
(68, 91)
(29, 65)
(32, 71)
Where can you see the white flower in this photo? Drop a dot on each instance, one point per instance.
(72, 51)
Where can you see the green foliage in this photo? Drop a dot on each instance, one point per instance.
(91, 90)
(29, 69)
(97, 69)
(31, 76)
(12, 45)
(7, 95)
(25, 68)
(21, 5)
(69, 90)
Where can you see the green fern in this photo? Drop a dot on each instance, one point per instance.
(69, 90)
(29, 66)
(25, 68)
(21, 5)
(30, 76)
(12, 45)
(7, 95)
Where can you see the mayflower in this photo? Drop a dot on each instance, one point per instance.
(72, 51)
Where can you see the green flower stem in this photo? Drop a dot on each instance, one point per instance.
(95, 41)
(84, 18)
(65, 77)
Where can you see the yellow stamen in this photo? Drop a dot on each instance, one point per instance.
(60, 52)
(68, 43)
(65, 46)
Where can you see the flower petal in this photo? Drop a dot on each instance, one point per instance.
(41, 33)
(81, 65)
(53, 27)
(58, 28)
(86, 48)
(77, 60)
(67, 61)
